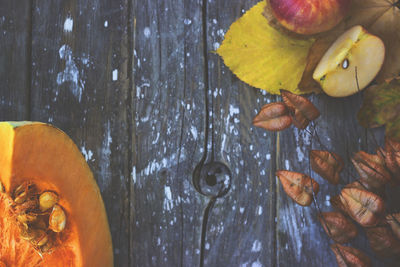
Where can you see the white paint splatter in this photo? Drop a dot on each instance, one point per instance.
(300, 154)
(287, 164)
(268, 156)
(70, 73)
(233, 110)
(193, 130)
(68, 24)
(133, 174)
(147, 32)
(105, 156)
(105, 24)
(87, 154)
(256, 246)
(115, 75)
(241, 210)
(187, 21)
(259, 210)
(257, 264)
(216, 45)
(207, 246)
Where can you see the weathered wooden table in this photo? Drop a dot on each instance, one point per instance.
(136, 86)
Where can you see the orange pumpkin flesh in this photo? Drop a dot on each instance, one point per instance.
(44, 155)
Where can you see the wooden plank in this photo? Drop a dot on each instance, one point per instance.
(241, 225)
(15, 25)
(80, 83)
(168, 136)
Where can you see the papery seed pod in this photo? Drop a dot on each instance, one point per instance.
(392, 157)
(298, 186)
(363, 206)
(394, 221)
(327, 164)
(336, 202)
(383, 242)
(371, 169)
(350, 257)
(57, 219)
(273, 117)
(303, 111)
(338, 227)
(47, 200)
(380, 191)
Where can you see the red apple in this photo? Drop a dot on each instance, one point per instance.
(309, 16)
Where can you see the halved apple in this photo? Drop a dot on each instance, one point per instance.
(351, 63)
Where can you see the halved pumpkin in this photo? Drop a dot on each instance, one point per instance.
(42, 155)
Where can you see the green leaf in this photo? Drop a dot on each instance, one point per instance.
(381, 106)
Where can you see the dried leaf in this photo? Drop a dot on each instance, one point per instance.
(371, 169)
(380, 191)
(336, 202)
(298, 186)
(327, 164)
(383, 241)
(303, 110)
(381, 106)
(363, 206)
(262, 56)
(394, 221)
(392, 157)
(273, 117)
(350, 257)
(338, 227)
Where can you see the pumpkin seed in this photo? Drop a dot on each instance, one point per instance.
(26, 217)
(27, 233)
(47, 200)
(57, 219)
(41, 239)
(21, 198)
(30, 204)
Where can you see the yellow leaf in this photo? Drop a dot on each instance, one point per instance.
(263, 57)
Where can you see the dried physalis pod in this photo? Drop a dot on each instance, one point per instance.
(57, 219)
(47, 200)
(380, 191)
(363, 206)
(371, 169)
(338, 227)
(302, 110)
(394, 221)
(273, 117)
(392, 157)
(383, 242)
(350, 257)
(298, 186)
(336, 202)
(327, 164)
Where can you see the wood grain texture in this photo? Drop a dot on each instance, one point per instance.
(137, 86)
(80, 83)
(15, 30)
(169, 133)
(241, 224)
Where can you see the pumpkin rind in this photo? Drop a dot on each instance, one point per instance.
(46, 156)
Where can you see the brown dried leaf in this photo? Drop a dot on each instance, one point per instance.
(338, 227)
(302, 110)
(298, 186)
(392, 157)
(380, 191)
(327, 164)
(363, 206)
(336, 202)
(394, 221)
(383, 242)
(350, 257)
(371, 169)
(273, 117)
